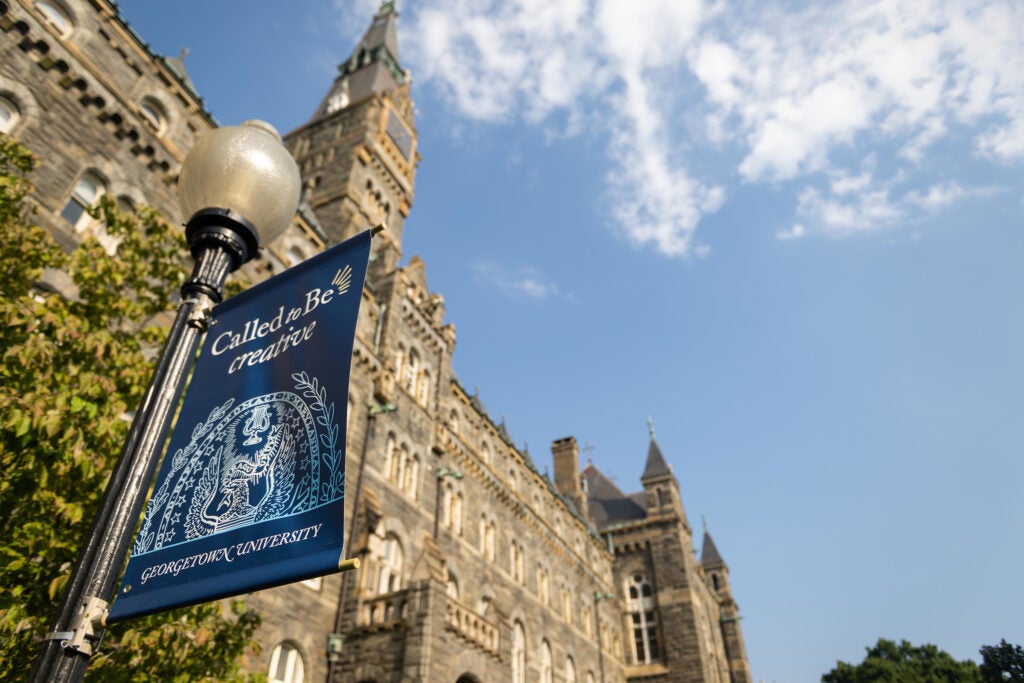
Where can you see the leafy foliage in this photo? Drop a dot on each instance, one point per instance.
(1002, 662)
(904, 663)
(72, 366)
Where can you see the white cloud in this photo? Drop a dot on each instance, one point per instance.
(794, 96)
(522, 282)
(937, 197)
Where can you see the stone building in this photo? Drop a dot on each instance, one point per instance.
(475, 565)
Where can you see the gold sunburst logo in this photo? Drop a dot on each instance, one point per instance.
(343, 279)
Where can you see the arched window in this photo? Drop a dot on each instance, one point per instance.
(399, 362)
(542, 587)
(401, 464)
(408, 479)
(423, 388)
(547, 670)
(285, 665)
(87, 190)
(456, 514)
(570, 670)
(10, 115)
(453, 421)
(643, 619)
(452, 589)
(389, 457)
(389, 571)
(518, 653)
(56, 16)
(412, 369)
(154, 112)
(587, 616)
(295, 255)
(590, 677)
(566, 604)
(517, 564)
(487, 538)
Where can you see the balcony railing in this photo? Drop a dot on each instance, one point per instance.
(471, 626)
(383, 610)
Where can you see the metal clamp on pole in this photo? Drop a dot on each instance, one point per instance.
(199, 317)
(91, 619)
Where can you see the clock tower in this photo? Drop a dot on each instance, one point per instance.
(357, 154)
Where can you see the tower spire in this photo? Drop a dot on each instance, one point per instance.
(371, 68)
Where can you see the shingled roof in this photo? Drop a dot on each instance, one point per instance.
(606, 502)
(709, 553)
(656, 465)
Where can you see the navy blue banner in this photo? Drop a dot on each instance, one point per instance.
(251, 491)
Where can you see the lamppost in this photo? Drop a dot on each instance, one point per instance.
(240, 186)
(598, 597)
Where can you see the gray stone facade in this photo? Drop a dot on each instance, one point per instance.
(475, 565)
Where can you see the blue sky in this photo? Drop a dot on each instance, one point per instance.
(792, 234)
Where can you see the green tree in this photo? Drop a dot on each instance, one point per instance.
(1002, 662)
(890, 662)
(72, 367)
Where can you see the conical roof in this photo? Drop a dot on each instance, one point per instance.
(709, 553)
(656, 465)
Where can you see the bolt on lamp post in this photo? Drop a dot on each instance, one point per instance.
(240, 186)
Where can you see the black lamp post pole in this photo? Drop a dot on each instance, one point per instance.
(218, 248)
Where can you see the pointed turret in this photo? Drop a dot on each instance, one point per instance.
(357, 153)
(372, 67)
(656, 465)
(718, 574)
(709, 556)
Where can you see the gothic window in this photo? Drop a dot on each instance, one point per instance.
(570, 670)
(643, 619)
(518, 653)
(547, 671)
(408, 475)
(453, 511)
(542, 587)
(587, 615)
(487, 538)
(423, 393)
(566, 604)
(517, 564)
(56, 16)
(87, 190)
(10, 115)
(453, 421)
(390, 455)
(389, 567)
(661, 498)
(714, 581)
(412, 369)
(399, 362)
(154, 112)
(295, 255)
(285, 665)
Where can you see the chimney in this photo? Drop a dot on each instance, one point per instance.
(566, 454)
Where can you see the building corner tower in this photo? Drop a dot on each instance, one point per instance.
(357, 153)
